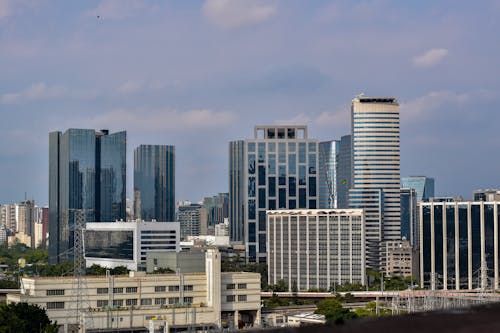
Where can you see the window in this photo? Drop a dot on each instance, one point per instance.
(160, 288)
(242, 298)
(117, 302)
(242, 286)
(131, 289)
(173, 300)
(230, 298)
(53, 292)
(55, 305)
(160, 301)
(146, 301)
(102, 290)
(117, 290)
(231, 286)
(102, 303)
(188, 288)
(132, 301)
(173, 288)
(188, 300)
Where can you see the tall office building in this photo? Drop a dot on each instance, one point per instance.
(376, 171)
(154, 182)
(192, 219)
(217, 208)
(344, 171)
(424, 186)
(327, 174)
(87, 171)
(409, 225)
(277, 169)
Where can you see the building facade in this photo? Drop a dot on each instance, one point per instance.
(486, 195)
(217, 208)
(87, 171)
(376, 167)
(154, 182)
(344, 171)
(315, 248)
(112, 244)
(400, 259)
(423, 185)
(198, 301)
(409, 223)
(327, 174)
(459, 245)
(192, 219)
(277, 169)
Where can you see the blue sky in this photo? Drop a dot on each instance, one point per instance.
(197, 74)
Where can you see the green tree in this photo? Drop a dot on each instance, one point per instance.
(334, 312)
(26, 318)
(370, 310)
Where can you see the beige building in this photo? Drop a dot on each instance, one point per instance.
(399, 259)
(195, 300)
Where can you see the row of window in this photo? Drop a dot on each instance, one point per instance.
(232, 286)
(144, 301)
(232, 298)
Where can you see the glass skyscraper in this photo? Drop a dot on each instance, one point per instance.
(328, 166)
(344, 171)
(409, 225)
(422, 184)
(277, 169)
(376, 171)
(87, 171)
(154, 182)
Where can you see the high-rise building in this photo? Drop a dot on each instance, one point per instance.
(409, 225)
(422, 184)
(191, 218)
(277, 169)
(344, 171)
(45, 223)
(376, 171)
(315, 248)
(154, 182)
(459, 245)
(217, 208)
(327, 174)
(87, 171)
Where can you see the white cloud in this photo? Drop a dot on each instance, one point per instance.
(430, 58)
(422, 107)
(37, 91)
(320, 119)
(116, 9)
(130, 87)
(159, 120)
(237, 13)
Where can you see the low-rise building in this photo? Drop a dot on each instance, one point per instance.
(399, 258)
(182, 301)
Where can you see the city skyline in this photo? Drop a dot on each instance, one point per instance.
(156, 70)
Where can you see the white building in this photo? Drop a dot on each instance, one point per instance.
(315, 248)
(194, 301)
(112, 244)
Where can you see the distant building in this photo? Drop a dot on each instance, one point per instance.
(179, 262)
(459, 245)
(112, 244)
(222, 229)
(209, 299)
(423, 185)
(376, 171)
(315, 248)
(154, 182)
(217, 208)
(327, 174)
(486, 195)
(399, 259)
(344, 171)
(277, 169)
(191, 219)
(3, 235)
(409, 222)
(45, 223)
(87, 171)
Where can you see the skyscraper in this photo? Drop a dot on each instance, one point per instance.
(277, 169)
(409, 223)
(376, 170)
(154, 182)
(217, 208)
(87, 170)
(424, 186)
(327, 177)
(344, 171)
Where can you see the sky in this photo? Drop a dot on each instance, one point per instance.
(199, 73)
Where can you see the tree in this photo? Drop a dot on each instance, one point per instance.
(370, 310)
(334, 312)
(24, 317)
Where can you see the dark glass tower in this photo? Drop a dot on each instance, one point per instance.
(154, 182)
(86, 171)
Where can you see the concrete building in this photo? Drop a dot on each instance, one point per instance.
(154, 182)
(486, 195)
(222, 229)
(376, 170)
(192, 219)
(112, 244)
(423, 185)
(87, 171)
(277, 169)
(180, 262)
(399, 259)
(459, 245)
(315, 248)
(193, 301)
(217, 209)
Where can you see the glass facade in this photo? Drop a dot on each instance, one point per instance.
(279, 172)
(154, 182)
(424, 186)
(344, 171)
(116, 244)
(328, 165)
(458, 245)
(86, 172)
(409, 229)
